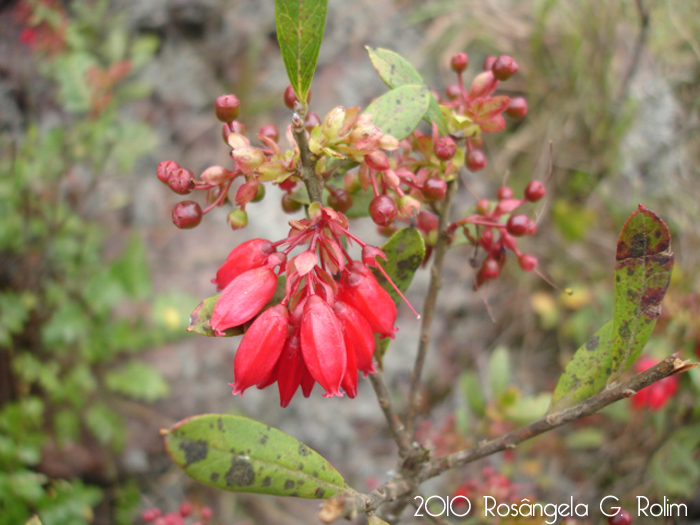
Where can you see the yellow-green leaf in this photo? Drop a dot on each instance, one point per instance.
(242, 455)
(396, 71)
(399, 111)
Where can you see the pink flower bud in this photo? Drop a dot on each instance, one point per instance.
(360, 289)
(260, 348)
(377, 160)
(322, 345)
(246, 256)
(243, 298)
(483, 85)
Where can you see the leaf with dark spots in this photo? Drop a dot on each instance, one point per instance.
(396, 71)
(194, 451)
(399, 111)
(404, 251)
(273, 462)
(642, 273)
(644, 262)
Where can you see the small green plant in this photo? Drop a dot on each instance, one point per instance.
(67, 353)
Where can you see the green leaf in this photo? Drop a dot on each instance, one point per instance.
(499, 370)
(396, 71)
(642, 273)
(241, 455)
(398, 112)
(643, 266)
(139, 381)
(105, 424)
(300, 25)
(404, 251)
(201, 316)
(131, 270)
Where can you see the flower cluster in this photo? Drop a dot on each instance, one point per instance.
(657, 394)
(496, 235)
(322, 331)
(185, 512)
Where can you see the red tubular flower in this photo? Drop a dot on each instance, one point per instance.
(322, 345)
(349, 381)
(291, 369)
(247, 256)
(243, 298)
(360, 289)
(260, 348)
(358, 336)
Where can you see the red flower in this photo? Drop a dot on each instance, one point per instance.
(243, 298)
(247, 256)
(322, 345)
(358, 336)
(656, 394)
(260, 348)
(360, 289)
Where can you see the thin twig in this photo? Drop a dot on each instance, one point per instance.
(313, 183)
(430, 303)
(400, 487)
(636, 55)
(402, 438)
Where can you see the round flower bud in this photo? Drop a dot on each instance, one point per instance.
(504, 193)
(504, 67)
(289, 205)
(312, 121)
(527, 262)
(476, 160)
(383, 210)
(459, 62)
(227, 108)
(445, 148)
(518, 225)
(488, 63)
(260, 194)
(453, 91)
(187, 214)
(289, 97)
(270, 131)
(237, 219)
(434, 189)
(517, 107)
(340, 200)
(165, 169)
(534, 191)
(483, 206)
(181, 181)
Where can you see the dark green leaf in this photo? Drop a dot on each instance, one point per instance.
(300, 25)
(241, 455)
(398, 112)
(396, 71)
(201, 316)
(642, 272)
(404, 251)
